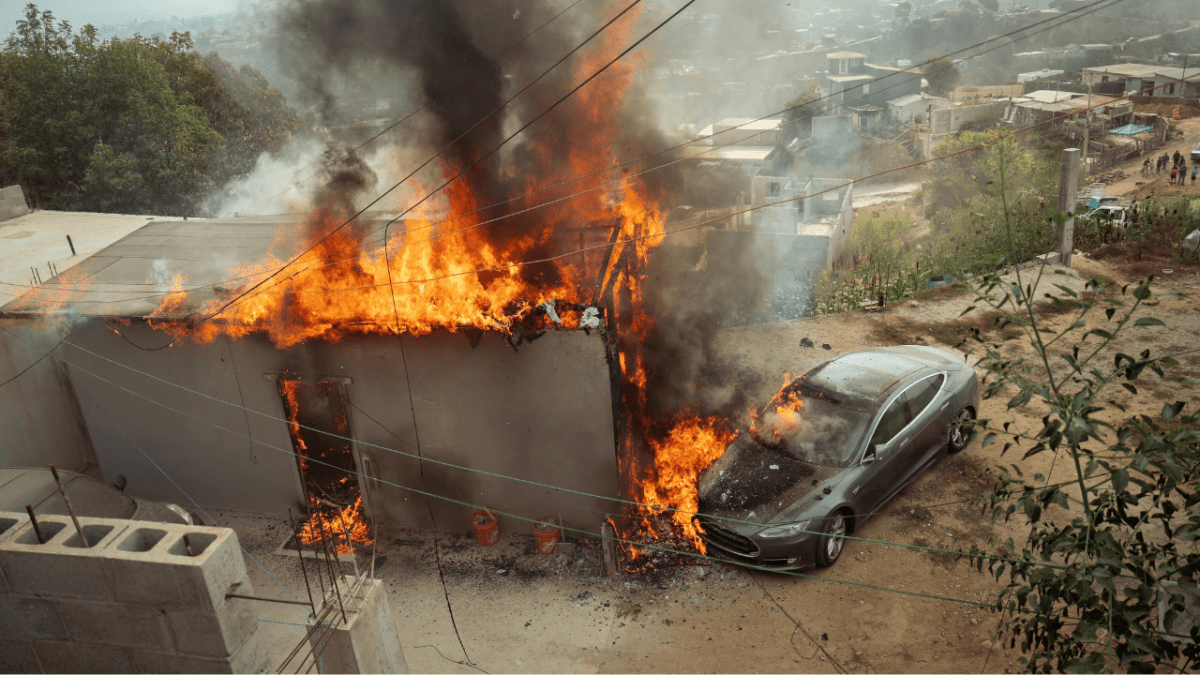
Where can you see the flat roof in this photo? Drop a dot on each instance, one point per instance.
(130, 276)
(851, 78)
(1126, 69)
(845, 55)
(39, 239)
(1048, 96)
(906, 100)
(754, 153)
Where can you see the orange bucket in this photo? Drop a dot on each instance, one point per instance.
(486, 527)
(546, 533)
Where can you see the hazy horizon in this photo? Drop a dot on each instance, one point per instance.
(80, 12)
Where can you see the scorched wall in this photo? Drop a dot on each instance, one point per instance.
(543, 414)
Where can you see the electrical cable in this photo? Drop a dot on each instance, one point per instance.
(447, 658)
(415, 171)
(1090, 9)
(423, 106)
(581, 85)
(502, 476)
(820, 647)
(960, 554)
(470, 505)
(109, 418)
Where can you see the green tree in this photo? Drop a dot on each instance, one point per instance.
(143, 125)
(797, 119)
(942, 74)
(990, 5)
(1086, 592)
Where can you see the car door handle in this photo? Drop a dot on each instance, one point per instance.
(903, 442)
(945, 405)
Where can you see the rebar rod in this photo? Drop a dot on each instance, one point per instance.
(37, 530)
(336, 590)
(62, 491)
(303, 568)
(349, 544)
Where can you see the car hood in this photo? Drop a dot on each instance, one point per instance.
(753, 483)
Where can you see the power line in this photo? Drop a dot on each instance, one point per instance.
(1063, 18)
(423, 106)
(419, 168)
(649, 546)
(1091, 9)
(488, 473)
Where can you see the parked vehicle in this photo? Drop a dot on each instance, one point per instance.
(785, 494)
(1110, 214)
(1196, 154)
(89, 497)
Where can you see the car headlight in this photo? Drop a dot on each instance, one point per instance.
(789, 530)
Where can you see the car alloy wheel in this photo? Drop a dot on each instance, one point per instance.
(832, 541)
(959, 435)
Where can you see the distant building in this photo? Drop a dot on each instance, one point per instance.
(1038, 75)
(1043, 106)
(914, 108)
(853, 82)
(1147, 79)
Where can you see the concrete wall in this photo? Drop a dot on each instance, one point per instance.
(39, 413)
(543, 414)
(134, 602)
(12, 202)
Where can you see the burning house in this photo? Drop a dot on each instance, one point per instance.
(504, 334)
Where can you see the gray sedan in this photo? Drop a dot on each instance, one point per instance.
(830, 450)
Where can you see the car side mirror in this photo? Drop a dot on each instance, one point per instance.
(874, 453)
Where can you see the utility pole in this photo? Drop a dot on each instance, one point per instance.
(1087, 132)
(1068, 187)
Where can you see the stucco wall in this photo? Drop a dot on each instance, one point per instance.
(542, 414)
(40, 421)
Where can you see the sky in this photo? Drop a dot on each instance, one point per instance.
(98, 12)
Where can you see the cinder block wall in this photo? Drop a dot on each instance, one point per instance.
(134, 601)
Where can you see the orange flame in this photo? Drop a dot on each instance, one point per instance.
(691, 447)
(335, 525)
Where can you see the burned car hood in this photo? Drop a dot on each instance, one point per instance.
(754, 483)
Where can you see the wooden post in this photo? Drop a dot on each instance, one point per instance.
(608, 550)
(1068, 187)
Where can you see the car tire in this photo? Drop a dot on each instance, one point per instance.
(832, 541)
(959, 437)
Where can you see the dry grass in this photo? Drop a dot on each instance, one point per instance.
(904, 331)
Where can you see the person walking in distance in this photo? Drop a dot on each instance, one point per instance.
(1174, 174)
(1194, 172)
(1146, 166)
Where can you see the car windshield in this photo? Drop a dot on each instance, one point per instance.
(812, 424)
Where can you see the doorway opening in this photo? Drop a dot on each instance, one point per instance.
(327, 462)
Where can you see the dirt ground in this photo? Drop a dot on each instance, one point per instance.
(1134, 184)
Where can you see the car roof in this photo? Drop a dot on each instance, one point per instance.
(35, 487)
(866, 373)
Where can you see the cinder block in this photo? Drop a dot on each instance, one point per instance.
(108, 623)
(61, 567)
(17, 656)
(11, 522)
(254, 656)
(216, 566)
(75, 657)
(138, 573)
(215, 634)
(30, 618)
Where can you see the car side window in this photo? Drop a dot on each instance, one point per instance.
(892, 422)
(921, 394)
